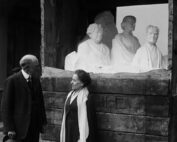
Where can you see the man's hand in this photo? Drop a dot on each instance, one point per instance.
(11, 134)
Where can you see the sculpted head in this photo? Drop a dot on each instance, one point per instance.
(128, 23)
(152, 34)
(30, 64)
(95, 32)
(105, 18)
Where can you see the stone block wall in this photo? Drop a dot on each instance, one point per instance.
(129, 107)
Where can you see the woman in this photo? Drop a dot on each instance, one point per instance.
(76, 124)
(125, 44)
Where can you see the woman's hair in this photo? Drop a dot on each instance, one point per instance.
(84, 77)
(126, 20)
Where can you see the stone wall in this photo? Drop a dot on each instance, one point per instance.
(129, 107)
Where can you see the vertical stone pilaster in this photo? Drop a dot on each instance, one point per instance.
(175, 22)
(174, 54)
(173, 103)
(170, 33)
(48, 33)
(42, 33)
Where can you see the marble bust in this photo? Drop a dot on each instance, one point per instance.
(106, 20)
(148, 56)
(124, 45)
(92, 55)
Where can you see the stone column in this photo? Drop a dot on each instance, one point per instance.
(173, 98)
(48, 33)
(170, 34)
(174, 50)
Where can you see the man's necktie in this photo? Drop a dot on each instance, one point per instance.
(30, 84)
(29, 80)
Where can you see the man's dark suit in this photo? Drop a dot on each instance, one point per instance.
(17, 105)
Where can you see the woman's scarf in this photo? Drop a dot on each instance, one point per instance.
(82, 96)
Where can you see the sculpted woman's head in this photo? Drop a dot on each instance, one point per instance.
(128, 23)
(95, 32)
(80, 79)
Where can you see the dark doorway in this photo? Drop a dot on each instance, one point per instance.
(23, 30)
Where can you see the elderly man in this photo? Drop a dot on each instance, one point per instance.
(23, 111)
(149, 57)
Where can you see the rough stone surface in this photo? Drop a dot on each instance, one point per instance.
(129, 107)
(151, 83)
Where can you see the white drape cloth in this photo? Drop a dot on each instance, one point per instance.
(147, 58)
(82, 96)
(120, 54)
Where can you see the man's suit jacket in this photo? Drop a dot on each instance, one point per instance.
(17, 104)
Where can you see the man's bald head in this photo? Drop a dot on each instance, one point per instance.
(28, 59)
(28, 63)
